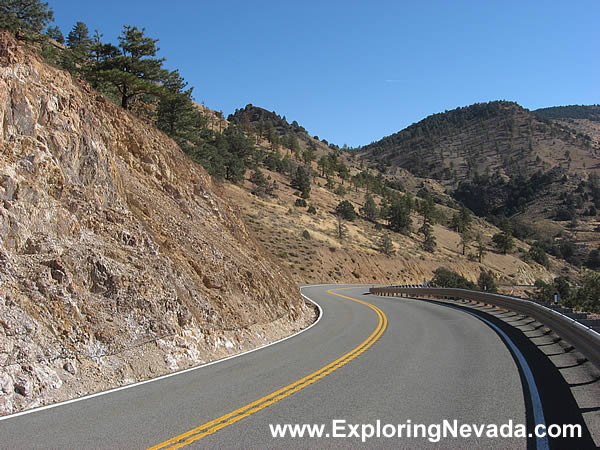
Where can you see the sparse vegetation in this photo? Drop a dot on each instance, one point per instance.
(447, 278)
(487, 281)
(385, 245)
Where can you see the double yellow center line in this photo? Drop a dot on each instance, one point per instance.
(245, 411)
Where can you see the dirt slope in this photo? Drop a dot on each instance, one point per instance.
(119, 259)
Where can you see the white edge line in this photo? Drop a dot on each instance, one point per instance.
(536, 401)
(169, 375)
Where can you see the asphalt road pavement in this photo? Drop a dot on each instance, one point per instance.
(369, 359)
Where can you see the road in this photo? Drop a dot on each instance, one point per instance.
(368, 358)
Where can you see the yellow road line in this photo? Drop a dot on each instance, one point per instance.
(245, 411)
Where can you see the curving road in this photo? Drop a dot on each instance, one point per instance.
(367, 359)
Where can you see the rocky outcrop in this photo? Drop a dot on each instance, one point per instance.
(119, 260)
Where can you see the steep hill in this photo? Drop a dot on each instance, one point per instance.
(306, 236)
(501, 159)
(119, 257)
(488, 138)
(584, 119)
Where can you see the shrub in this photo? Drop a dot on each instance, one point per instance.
(538, 254)
(306, 234)
(312, 209)
(300, 202)
(447, 278)
(487, 281)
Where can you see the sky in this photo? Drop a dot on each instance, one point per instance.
(353, 72)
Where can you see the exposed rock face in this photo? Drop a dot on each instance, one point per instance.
(118, 258)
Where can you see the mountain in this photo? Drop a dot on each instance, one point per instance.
(500, 159)
(584, 119)
(587, 112)
(308, 238)
(495, 138)
(120, 259)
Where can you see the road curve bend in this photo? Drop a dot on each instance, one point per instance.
(369, 359)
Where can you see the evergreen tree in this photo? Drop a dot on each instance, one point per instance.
(345, 209)
(238, 154)
(342, 229)
(308, 156)
(385, 245)
(465, 239)
(261, 184)
(343, 171)
(78, 38)
(487, 281)
(301, 181)
(462, 220)
(428, 210)
(503, 241)
(55, 34)
(132, 68)
(177, 115)
(481, 250)
(25, 18)
(399, 215)
(384, 209)
(80, 44)
(369, 209)
(429, 242)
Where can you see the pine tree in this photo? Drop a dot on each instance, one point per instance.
(429, 242)
(55, 34)
(79, 38)
(301, 181)
(177, 115)
(132, 68)
(386, 246)
(487, 281)
(399, 215)
(428, 210)
(26, 18)
(369, 209)
(465, 239)
(342, 229)
(80, 44)
(481, 250)
(345, 209)
(308, 156)
(504, 241)
(462, 220)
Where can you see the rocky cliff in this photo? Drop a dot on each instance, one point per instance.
(119, 259)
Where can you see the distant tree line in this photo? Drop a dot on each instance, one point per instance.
(589, 112)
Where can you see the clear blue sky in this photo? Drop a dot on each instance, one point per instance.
(353, 72)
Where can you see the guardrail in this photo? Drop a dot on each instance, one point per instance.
(581, 336)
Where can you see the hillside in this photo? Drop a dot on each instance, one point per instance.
(586, 112)
(120, 259)
(495, 138)
(500, 159)
(309, 241)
